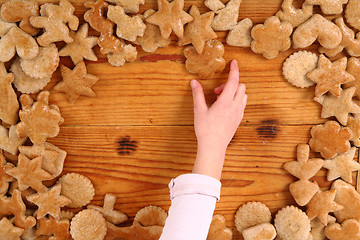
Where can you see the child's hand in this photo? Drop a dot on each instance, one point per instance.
(216, 126)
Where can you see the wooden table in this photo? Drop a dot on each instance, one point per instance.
(138, 132)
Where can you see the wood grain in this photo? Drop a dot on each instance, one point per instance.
(137, 133)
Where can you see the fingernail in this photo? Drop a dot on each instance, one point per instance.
(235, 63)
(193, 84)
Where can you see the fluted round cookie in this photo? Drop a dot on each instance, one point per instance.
(251, 214)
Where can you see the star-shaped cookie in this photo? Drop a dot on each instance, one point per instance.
(353, 68)
(170, 17)
(51, 226)
(329, 76)
(76, 82)
(29, 173)
(199, 30)
(339, 107)
(49, 202)
(9, 105)
(8, 231)
(4, 177)
(342, 166)
(321, 205)
(81, 47)
(304, 168)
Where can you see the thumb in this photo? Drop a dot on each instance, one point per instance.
(198, 96)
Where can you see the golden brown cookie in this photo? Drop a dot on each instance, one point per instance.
(330, 75)
(303, 191)
(81, 47)
(227, 17)
(349, 229)
(339, 107)
(76, 82)
(218, 229)
(330, 139)
(77, 188)
(349, 198)
(240, 35)
(5, 179)
(317, 228)
(251, 214)
(208, 62)
(21, 11)
(342, 166)
(130, 6)
(321, 205)
(9, 105)
(271, 37)
(292, 224)
(289, 13)
(108, 211)
(170, 17)
(128, 28)
(50, 226)
(353, 68)
(352, 13)
(56, 21)
(127, 53)
(39, 120)
(329, 7)
(214, 5)
(9, 140)
(264, 231)
(317, 28)
(134, 232)
(29, 173)
(354, 125)
(88, 224)
(8, 231)
(150, 216)
(297, 66)
(198, 31)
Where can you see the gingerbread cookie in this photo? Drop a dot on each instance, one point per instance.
(20, 11)
(198, 31)
(271, 37)
(208, 62)
(297, 66)
(128, 28)
(296, 17)
(39, 120)
(227, 17)
(81, 47)
(170, 17)
(339, 107)
(54, 19)
(9, 105)
(329, 76)
(152, 39)
(342, 166)
(76, 82)
(317, 28)
(52, 227)
(240, 35)
(330, 139)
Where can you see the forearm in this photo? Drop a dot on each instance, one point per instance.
(193, 199)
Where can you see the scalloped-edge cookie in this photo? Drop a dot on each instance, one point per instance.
(77, 188)
(88, 224)
(150, 216)
(297, 66)
(251, 214)
(292, 224)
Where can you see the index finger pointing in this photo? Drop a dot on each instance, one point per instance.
(233, 81)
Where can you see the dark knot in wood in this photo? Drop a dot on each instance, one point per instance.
(126, 146)
(268, 129)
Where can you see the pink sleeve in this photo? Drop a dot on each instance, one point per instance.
(193, 198)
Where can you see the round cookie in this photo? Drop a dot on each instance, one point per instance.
(297, 66)
(88, 224)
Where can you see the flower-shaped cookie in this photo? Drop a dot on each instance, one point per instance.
(347, 196)
(170, 17)
(349, 229)
(342, 166)
(54, 19)
(49, 202)
(271, 37)
(21, 11)
(76, 82)
(39, 120)
(329, 76)
(9, 105)
(330, 139)
(321, 205)
(339, 107)
(208, 62)
(198, 31)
